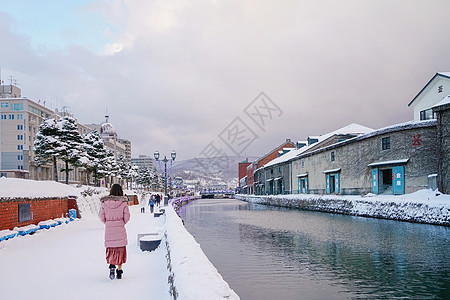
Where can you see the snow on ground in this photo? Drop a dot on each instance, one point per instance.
(68, 261)
(424, 206)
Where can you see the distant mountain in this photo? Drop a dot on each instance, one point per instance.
(210, 171)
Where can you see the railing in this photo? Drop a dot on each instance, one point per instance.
(217, 192)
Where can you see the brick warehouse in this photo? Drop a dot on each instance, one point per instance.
(19, 212)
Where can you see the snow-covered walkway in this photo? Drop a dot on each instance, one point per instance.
(68, 262)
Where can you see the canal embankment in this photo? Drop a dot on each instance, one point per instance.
(425, 206)
(192, 275)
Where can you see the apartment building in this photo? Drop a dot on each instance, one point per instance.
(19, 121)
(143, 161)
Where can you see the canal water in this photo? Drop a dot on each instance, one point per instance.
(266, 252)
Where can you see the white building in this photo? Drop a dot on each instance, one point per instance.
(108, 133)
(432, 93)
(143, 161)
(20, 118)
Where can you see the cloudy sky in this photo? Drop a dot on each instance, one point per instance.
(187, 75)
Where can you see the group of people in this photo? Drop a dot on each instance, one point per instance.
(114, 213)
(155, 199)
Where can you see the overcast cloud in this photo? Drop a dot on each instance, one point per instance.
(175, 74)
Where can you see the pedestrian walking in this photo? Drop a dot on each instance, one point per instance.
(114, 213)
(142, 203)
(158, 199)
(151, 203)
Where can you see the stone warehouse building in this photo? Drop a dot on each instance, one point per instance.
(398, 159)
(395, 160)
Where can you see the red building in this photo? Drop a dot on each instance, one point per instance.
(243, 170)
(271, 155)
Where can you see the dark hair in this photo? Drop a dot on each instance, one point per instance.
(116, 190)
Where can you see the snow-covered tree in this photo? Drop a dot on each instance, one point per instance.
(58, 140)
(145, 177)
(113, 166)
(133, 174)
(158, 180)
(124, 168)
(71, 149)
(46, 143)
(95, 154)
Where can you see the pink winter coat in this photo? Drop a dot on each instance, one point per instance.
(115, 214)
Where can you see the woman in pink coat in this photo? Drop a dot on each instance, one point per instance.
(115, 214)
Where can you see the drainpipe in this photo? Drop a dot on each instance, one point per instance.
(265, 181)
(289, 177)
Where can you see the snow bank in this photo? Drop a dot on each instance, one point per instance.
(424, 206)
(24, 188)
(88, 197)
(194, 276)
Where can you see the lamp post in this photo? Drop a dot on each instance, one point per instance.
(173, 155)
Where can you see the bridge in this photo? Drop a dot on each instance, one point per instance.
(208, 193)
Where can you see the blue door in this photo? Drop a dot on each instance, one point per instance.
(306, 185)
(328, 184)
(375, 181)
(398, 180)
(336, 183)
(300, 186)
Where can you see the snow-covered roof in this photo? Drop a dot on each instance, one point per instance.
(447, 74)
(107, 130)
(388, 129)
(390, 162)
(25, 188)
(349, 129)
(444, 101)
(273, 150)
(332, 171)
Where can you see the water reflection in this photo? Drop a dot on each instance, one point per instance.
(274, 253)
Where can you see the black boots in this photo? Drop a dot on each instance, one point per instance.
(112, 270)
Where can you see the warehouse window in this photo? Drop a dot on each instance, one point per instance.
(386, 143)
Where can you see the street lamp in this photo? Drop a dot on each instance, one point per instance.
(173, 155)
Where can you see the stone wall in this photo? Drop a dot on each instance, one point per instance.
(366, 207)
(443, 137)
